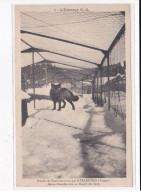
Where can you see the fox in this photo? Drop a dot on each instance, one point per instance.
(59, 95)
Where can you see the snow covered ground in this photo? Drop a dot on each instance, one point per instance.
(72, 144)
(42, 91)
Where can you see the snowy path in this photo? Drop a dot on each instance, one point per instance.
(72, 144)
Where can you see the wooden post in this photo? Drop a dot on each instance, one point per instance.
(33, 77)
(97, 91)
(101, 84)
(46, 73)
(118, 87)
(23, 84)
(93, 84)
(94, 88)
(108, 82)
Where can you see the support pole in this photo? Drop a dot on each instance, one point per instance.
(108, 82)
(33, 77)
(97, 92)
(101, 85)
(118, 87)
(93, 85)
(23, 84)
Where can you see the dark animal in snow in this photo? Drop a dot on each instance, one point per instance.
(59, 95)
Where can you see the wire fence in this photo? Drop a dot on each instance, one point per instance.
(57, 62)
(109, 84)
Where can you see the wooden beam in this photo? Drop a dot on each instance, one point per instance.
(65, 64)
(56, 53)
(101, 86)
(70, 65)
(54, 61)
(33, 77)
(108, 84)
(122, 30)
(63, 40)
(33, 49)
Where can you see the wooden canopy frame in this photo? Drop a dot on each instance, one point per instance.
(105, 52)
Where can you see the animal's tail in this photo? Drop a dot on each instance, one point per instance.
(75, 98)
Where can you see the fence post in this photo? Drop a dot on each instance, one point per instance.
(101, 85)
(108, 82)
(97, 91)
(33, 77)
(93, 90)
(46, 73)
(23, 84)
(118, 87)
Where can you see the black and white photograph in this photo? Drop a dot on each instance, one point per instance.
(73, 94)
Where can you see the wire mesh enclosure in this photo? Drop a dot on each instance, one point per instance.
(92, 61)
(72, 84)
(110, 80)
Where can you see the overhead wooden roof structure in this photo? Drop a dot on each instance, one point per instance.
(80, 41)
(86, 36)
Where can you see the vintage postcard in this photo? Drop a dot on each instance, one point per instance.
(73, 95)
